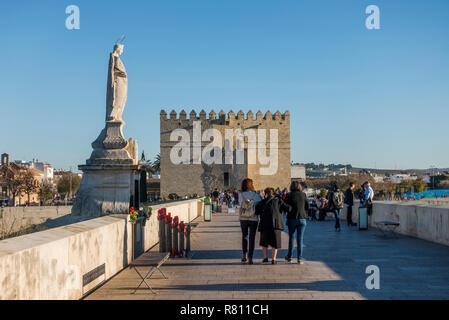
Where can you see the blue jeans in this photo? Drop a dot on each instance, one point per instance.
(337, 218)
(298, 226)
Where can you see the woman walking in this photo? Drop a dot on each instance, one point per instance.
(248, 199)
(296, 220)
(271, 224)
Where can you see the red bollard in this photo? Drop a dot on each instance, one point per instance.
(168, 233)
(181, 238)
(162, 236)
(187, 232)
(175, 248)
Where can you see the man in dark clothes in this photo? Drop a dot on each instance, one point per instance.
(215, 194)
(349, 202)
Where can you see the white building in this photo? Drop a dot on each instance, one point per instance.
(398, 178)
(45, 168)
(298, 171)
(48, 173)
(378, 177)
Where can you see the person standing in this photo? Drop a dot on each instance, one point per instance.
(271, 223)
(296, 220)
(368, 198)
(362, 195)
(229, 199)
(248, 199)
(349, 202)
(322, 205)
(236, 197)
(336, 198)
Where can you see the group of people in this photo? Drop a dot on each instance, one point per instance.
(263, 212)
(336, 200)
(227, 197)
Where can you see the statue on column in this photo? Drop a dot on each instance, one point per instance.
(110, 173)
(111, 146)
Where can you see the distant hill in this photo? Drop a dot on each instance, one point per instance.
(400, 171)
(320, 169)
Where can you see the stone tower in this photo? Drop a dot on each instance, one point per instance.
(194, 175)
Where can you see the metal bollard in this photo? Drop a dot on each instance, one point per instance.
(187, 233)
(168, 233)
(175, 247)
(181, 239)
(162, 238)
(207, 212)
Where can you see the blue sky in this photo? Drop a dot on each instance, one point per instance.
(373, 98)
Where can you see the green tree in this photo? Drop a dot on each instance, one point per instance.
(157, 163)
(14, 182)
(68, 179)
(30, 184)
(47, 191)
(405, 185)
(419, 185)
(439, 181)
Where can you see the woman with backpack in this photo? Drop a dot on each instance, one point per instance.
(336, 203)
(271, 223)
(248, 199)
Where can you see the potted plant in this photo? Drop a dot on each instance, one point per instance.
(132, 215)
(146, 212)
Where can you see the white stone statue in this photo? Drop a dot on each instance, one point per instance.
(111, 146)
(117, 86)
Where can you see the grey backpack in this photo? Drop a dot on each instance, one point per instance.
(247, 209)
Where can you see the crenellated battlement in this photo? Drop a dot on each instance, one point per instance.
(230, 116)
(190, 139)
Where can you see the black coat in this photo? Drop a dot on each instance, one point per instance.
(299, 203)
(349, 197)
(269, 211)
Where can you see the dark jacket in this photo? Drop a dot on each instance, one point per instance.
(269, 211)
(349, 197)
(299, 203)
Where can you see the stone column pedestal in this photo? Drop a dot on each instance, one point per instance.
(105, 189)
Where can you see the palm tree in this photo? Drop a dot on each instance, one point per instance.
(157, 163)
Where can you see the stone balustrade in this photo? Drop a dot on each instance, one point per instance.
(420, 220)
(67, 262)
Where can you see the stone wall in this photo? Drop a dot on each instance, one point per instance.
(13, 219)
(51, 264)
(424, 221)
(186, 179)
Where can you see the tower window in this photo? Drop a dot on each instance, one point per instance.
(226, 179)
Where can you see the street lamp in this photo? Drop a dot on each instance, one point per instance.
(433, 176)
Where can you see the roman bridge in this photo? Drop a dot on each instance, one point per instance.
(89, 259)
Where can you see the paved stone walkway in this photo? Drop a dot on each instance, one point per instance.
(335, 268)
